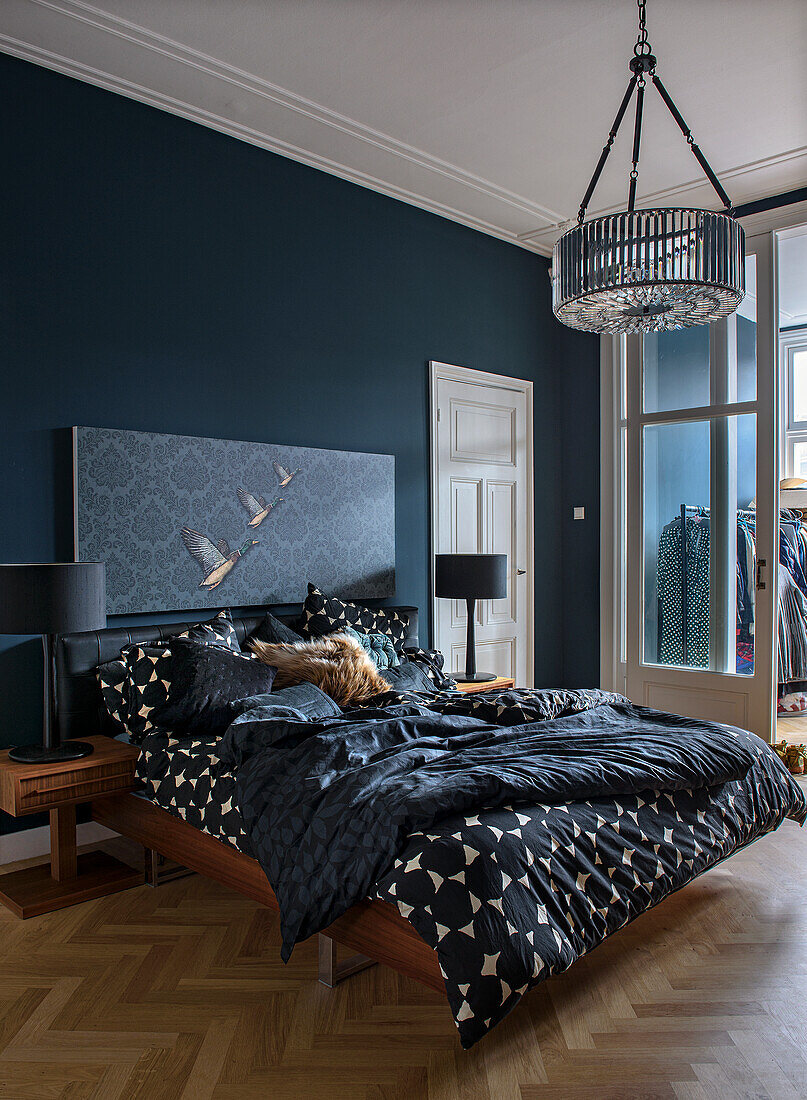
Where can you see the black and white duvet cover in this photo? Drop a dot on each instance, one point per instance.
(182, 773)
(514, 830)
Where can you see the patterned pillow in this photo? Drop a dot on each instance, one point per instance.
(432, 662)
(325, 614)
(377, 646)
(217, 631)
(148, 668)
(114, 683)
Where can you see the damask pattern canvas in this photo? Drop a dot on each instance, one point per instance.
(185, 523)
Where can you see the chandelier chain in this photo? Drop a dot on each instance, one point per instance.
(643, 62)
(642, 47)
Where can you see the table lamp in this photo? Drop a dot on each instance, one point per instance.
(471, 577)
(51, 599)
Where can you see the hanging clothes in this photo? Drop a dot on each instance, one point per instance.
(792, 629)
(685, 581)
(672, 592)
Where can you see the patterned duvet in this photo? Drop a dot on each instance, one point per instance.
(509, 895)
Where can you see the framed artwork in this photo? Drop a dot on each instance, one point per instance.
(184, 523)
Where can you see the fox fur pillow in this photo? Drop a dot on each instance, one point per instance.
(336, 663)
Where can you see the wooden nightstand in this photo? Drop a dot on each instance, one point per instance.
(501, 683)
(70, 878)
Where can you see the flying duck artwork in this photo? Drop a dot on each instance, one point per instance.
(216, 561)
(157, 509)
(256, 507)
(284, 476)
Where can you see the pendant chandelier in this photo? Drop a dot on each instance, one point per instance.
(648, 270)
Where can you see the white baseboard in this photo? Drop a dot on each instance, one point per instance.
(36, 842)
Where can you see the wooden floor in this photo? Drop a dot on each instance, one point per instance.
(179, 993)
(792, 730)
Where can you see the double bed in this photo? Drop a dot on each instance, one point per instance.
(478, 844)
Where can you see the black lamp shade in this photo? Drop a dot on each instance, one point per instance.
(52, 599)
(470, 576)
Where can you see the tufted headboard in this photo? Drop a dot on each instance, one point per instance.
(78, 699)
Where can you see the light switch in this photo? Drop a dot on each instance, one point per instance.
(579, 513)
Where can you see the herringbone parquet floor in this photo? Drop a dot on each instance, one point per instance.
(178, 993)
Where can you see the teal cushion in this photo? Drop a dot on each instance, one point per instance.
(379, 647)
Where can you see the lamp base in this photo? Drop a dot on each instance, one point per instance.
(59, 754)
(477, 678)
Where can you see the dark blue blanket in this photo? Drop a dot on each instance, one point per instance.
(328, 804)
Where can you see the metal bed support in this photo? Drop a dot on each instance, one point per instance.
(332, 972)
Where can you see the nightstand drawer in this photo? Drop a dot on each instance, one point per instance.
(43, 792)
(27, 788)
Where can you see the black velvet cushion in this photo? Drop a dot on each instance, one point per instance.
(325, 614)
(203, 683)
(272, 630)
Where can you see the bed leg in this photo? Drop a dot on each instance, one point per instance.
(159, 870)
(332, 972)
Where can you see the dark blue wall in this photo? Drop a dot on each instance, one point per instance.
(161, 276)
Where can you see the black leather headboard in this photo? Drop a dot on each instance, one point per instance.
(78, 698)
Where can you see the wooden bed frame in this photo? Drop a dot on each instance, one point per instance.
(374, 929)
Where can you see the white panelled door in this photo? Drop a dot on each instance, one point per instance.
(482, 502)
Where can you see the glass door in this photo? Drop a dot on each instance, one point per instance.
(700, 428)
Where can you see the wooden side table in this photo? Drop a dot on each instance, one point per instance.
(58, 788)
(501, 683)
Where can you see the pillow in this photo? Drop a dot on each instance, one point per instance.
(325, 614)
(306, 699)
(121, 687)
(147, 669)
(336, 663)
(409, 676)
(377, 646)
(272, 630)
(432, 662)
(197, 685)
(217, 631)
(113, 681)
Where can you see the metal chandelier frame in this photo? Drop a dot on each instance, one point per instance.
(644, 61)
(648, 270)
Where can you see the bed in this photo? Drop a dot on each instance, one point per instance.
(471, 888)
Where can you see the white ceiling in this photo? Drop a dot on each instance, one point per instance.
(491, 112)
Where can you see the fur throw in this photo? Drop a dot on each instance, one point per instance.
(336, 663)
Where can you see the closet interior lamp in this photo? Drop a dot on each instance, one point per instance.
(471, 577)
(648, 270)
(52, 599)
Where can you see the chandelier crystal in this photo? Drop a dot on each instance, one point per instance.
(648, 270)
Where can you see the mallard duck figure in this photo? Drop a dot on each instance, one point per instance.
(216, 560)
(284, 476)
(256, 507)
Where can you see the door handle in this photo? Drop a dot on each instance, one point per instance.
(520, 572)
(760, 566)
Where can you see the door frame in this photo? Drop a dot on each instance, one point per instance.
(450, 372)
(612, 663)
